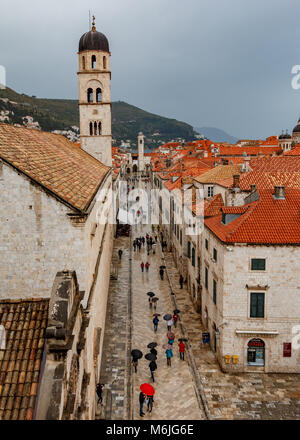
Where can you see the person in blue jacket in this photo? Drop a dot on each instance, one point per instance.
(169, 355)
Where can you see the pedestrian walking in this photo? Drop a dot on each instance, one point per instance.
(134, 245)
(175, 319)
(153, 367)
(135, 364)
(169, 355)
(169, 324)
(120, 252)
(161, 273)
(99, 389)
(181, 281)
(150, 302)
(142, 400)
(155, 323)
(143, 240)
(142, 266)
(155, 238)
(147, 265)
(150, 403)
(181, 346)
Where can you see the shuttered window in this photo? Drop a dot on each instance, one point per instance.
(258, 264)
(257, 305)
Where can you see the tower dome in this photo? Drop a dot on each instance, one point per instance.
(93, 40)
(297, 128)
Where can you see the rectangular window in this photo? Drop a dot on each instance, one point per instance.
(215, 254)
(189, 249)
(193, 257)
(206, 244)
(215, 291)
(258, 264)
(206, 278)
(210, 191)
(180, 237)
(257, 305)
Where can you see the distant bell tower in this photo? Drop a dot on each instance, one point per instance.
(141, 160)
(94, 95)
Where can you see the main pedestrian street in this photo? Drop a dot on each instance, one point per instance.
(194, 388)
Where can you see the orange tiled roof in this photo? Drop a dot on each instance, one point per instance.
(54, 162)
(218, 173)
(25, 323)
(265, 221)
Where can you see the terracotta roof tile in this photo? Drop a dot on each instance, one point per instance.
(19, 367)
(265, 221)
(54, 162)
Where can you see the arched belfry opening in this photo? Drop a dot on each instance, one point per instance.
(93, 62)
(90, 95)
(99, 95)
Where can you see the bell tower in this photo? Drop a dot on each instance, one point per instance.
(141, 160)
(94, 78)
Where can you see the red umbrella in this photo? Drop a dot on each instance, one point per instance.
(171, 335)
(148, 389)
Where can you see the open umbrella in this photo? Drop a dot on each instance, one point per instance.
(155, 299)
(150, 357)
(148, 389)
(182, 339)
(171, 335)
(167, 317)
(151, 294)
(167, 346)
(136, 354)
(162, 267)
(176, 311)
(156, 314)
(152, 345)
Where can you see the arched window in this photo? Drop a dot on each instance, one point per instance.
(93, 61)
(90, 97)
(99, 95)
(256, 352)
(91, 129)
(83, 63)
(104, 63)
(95, 128)
(99, 128)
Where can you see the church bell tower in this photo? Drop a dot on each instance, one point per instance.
(94, 78)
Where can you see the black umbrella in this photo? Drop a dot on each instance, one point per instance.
(162, 267)
(182, 339)
(150, 357)
(155, 299)
(151, 294)
(156, 314)
(176, 311)
(136, 354)
(152, 345)
(168, 317)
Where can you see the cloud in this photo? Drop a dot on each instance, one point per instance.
(208, 62)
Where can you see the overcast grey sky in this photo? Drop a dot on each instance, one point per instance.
(219, 63)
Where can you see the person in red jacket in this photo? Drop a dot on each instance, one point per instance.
(147, 265)
(142, 266)
(175, 319)
(181, 346)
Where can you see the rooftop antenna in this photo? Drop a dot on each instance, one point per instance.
(90, 26)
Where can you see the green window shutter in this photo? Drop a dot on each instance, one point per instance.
(258, 264)
(257, 305)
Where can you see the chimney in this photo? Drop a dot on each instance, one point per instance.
(252, 187)
(182, 166)
(246, 167)
(279, 192)
(236, 181)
